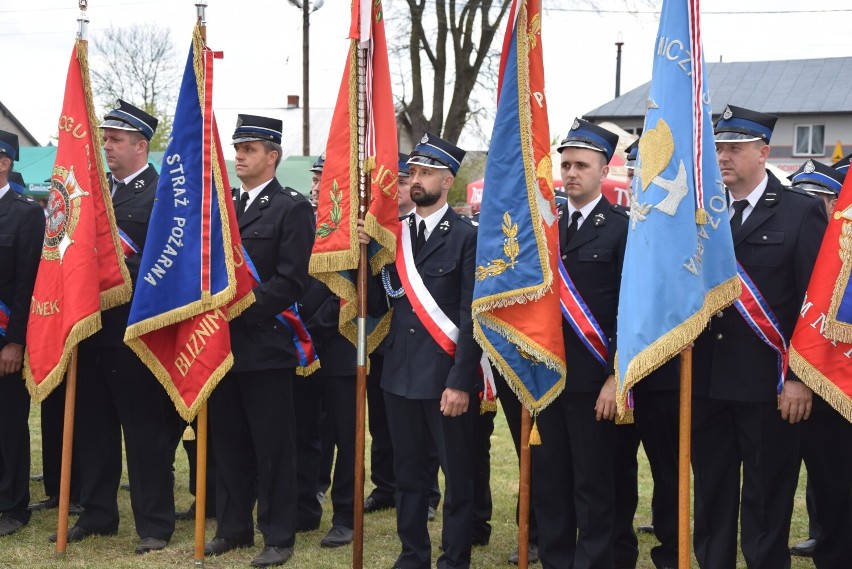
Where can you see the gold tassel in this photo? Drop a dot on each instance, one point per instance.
(701, 216)
(188, 433)
(305, 371)
(487, 406)
(535, 437)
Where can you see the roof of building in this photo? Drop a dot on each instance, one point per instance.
(30, 139)
(799, 86)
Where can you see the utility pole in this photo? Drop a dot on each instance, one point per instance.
(618, 45)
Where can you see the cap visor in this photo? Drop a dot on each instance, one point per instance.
(735, 137)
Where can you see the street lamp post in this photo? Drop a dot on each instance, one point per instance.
(307, 7)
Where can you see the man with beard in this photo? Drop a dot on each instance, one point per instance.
(430, 370)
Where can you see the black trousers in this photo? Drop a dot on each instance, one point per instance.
(254, 438)
(626, 543)
(575, 484)
(381, 449)
(728, 436)
(116, 393)
(413, 423)
(483, 427)
(657, 420)
(512, 410)
(191, 448)
(14, 448)
(307, 400)
(827, 452)
(52, 428)
(339, 400)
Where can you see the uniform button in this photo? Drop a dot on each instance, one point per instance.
(564, 257)
(765, 238)
(411, 330)
(413, 311)
(719, 336)
(595, 256)
(720, 314)
(440, 270)
(129, 216)
(255, 233)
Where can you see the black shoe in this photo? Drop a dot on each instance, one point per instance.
(150, 544)
(75, 509)
(272, 556)
(480, 540)
(221, 545)
(804, 549)
(47, 504)
(337, 536)
(645, 529)
(8, 526)
(532, 554)
(433, 513)
(79, 533)
(372, 504)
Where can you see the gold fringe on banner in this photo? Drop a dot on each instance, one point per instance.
(674, 341)
(122, 293)
(305, 371)
(821, 385)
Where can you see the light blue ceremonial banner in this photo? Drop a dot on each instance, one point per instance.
(679, 266)
(174, 281)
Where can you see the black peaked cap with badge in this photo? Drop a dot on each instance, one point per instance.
(127, 117)
(584, 134)
(9, 144)
(403, 165)
(318, 163)
(632, 153)
(817, 178)
(253, 127)
(743, 125)
(435, 152)
(843, 163)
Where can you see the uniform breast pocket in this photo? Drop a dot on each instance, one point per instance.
(134, 215)
(594, 255)
(7, 239)
(439, 276)
(765, 249)
(260, 231)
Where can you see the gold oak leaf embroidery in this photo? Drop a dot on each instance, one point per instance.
(327, 229)
(511, 249)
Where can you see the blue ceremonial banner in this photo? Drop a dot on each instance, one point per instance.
(190, 281)
(517, 319)
(679, 266)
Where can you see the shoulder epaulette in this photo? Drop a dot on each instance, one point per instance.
(621, 210)
(796, 190)
(294, 195)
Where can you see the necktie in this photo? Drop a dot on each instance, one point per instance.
(572, 229)
(243, 201)
(737, 219)
(117, 187)
(421, 237)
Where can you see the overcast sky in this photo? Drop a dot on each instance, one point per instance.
(262, 43)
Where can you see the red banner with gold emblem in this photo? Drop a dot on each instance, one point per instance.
(823, 363)
(82, 269)
(336, 248)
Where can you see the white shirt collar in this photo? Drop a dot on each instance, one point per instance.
(585, 211)
(132, 177)
(253, 193)
(752, 199)
(431, 220)
(4, 189)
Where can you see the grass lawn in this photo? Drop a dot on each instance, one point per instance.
(30, 547)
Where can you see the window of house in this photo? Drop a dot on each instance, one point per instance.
(810, 140)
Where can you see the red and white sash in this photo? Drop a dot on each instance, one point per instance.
(440, 327)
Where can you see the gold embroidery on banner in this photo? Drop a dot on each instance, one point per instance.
(510, 248)
(327, 229)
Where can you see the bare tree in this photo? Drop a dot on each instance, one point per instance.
(449, 43)
(138, 64)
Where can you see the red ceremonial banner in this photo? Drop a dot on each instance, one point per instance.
(823, 364)
(82, 269)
